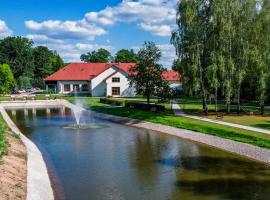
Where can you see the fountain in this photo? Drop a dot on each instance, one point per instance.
(78, 112)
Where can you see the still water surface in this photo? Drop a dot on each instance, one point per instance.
(117, 162)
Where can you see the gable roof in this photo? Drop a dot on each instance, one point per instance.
(170, 75)
(88, 71)
(85, 71)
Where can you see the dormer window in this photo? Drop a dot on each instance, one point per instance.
(115, 79)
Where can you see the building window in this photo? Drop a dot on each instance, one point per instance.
(76, 88)
(115, 79)
(85, 88)
(115, 91)
(66, 88)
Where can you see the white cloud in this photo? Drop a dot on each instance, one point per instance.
(159, 30)
(4, 30)
(66, 29)
(69, 52)
(44, 39)
(168, 54)
(155, 16)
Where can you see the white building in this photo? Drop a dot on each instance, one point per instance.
(99, 79)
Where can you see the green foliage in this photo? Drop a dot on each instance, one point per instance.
(220, 45)
(258, 139)
(125, 56)
(101, 55)
(6, 79)
(17, 53)
(3, 142)
(24, 82)
(147, 74)
(46, 62)
(27, 62)
(38, 82)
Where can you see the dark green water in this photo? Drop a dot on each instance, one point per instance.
(118, 162)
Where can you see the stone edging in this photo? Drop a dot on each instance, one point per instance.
(247, 150)
(38, 181)
(243, 149)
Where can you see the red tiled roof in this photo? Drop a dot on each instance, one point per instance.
(170, 75)
(85, 71)
(88, 71)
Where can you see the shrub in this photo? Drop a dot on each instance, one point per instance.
(112, 101)
(143, 106)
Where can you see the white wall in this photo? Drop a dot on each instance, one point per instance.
(175, 85)
(98, 84)
(125, 90)
(60, 86)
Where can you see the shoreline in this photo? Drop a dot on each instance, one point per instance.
(39, 184)
(243, 149)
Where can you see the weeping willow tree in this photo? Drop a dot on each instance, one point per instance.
(217, 42)
(189, 40)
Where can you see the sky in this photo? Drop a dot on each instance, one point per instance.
(73, 27)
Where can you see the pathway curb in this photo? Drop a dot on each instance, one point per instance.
(243, 149)
(178, 112)
(38, 181)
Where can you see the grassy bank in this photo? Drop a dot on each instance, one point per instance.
(167, 118)
(3, 142)
(194, 107)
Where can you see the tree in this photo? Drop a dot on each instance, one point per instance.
(45, 61)
(17, 53)
(220, 44)
(7, 80)
(260, 50)
(58, 62)
(189, 41)
(146, 75)
(125, 56)
(24, 82)
(101, 55)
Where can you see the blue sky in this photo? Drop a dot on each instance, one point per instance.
(72, 27)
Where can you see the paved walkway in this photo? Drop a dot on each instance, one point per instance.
(178, 112)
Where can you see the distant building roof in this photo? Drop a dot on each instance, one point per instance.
(85, 71)
(171, 75)
(88, 71)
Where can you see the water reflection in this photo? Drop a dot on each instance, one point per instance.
(119, 162)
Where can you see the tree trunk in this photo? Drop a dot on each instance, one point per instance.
(262, 104)
(262, 109)
(205, 107)
(238, 100)
(148, 100)
(216, 90)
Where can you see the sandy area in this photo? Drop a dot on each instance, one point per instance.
(13, 171)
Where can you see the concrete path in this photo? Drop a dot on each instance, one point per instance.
(178, 112)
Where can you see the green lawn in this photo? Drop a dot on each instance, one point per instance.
(194, 107)
(167, 118)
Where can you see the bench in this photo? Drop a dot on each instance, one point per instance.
(12, 97)
(220, 117)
